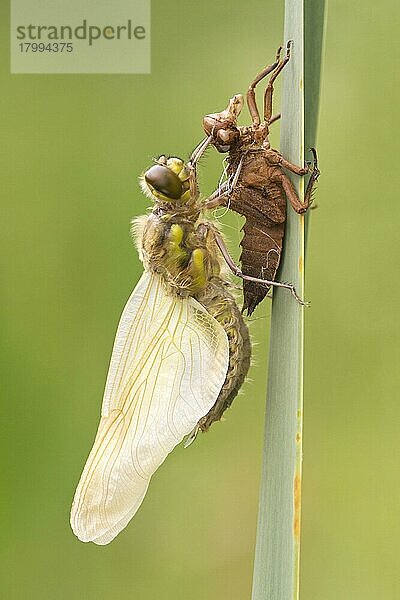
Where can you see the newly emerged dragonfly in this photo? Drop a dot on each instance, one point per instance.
(257, 185)
(180, 355)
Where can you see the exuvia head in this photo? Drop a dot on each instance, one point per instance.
(167, 180)
(223, 126)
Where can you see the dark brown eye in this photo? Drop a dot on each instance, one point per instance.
(163, 180)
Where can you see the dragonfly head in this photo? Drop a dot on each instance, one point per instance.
(167, 180)
(223, 126)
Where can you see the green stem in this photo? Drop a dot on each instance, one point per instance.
(276, 566)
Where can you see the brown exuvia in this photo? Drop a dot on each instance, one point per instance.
(257, 186)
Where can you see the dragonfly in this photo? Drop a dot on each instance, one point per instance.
(180, 355)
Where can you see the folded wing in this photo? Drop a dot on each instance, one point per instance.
(168, 364)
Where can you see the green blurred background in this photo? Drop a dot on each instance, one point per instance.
(71, 150)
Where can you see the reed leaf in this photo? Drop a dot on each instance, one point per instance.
(276, 565)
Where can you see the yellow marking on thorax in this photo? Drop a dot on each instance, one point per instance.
(199, 272)
(176, 252)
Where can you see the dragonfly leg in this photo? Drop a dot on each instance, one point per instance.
(192, 163)
(301, 207)
(199, 150)
(251, 95)
(266, 282)
(291, 195)
(315, 173)
(221, 194)
(274, 118)
(275, 158)
(270, 87)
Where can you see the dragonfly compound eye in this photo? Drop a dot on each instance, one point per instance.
(164, 181)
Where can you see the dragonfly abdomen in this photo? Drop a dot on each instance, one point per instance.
(220, 303)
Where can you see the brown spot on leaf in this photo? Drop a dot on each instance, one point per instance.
(297, 505)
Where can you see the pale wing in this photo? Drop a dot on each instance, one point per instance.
(168, 365)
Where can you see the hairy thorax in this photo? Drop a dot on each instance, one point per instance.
(179, 249)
